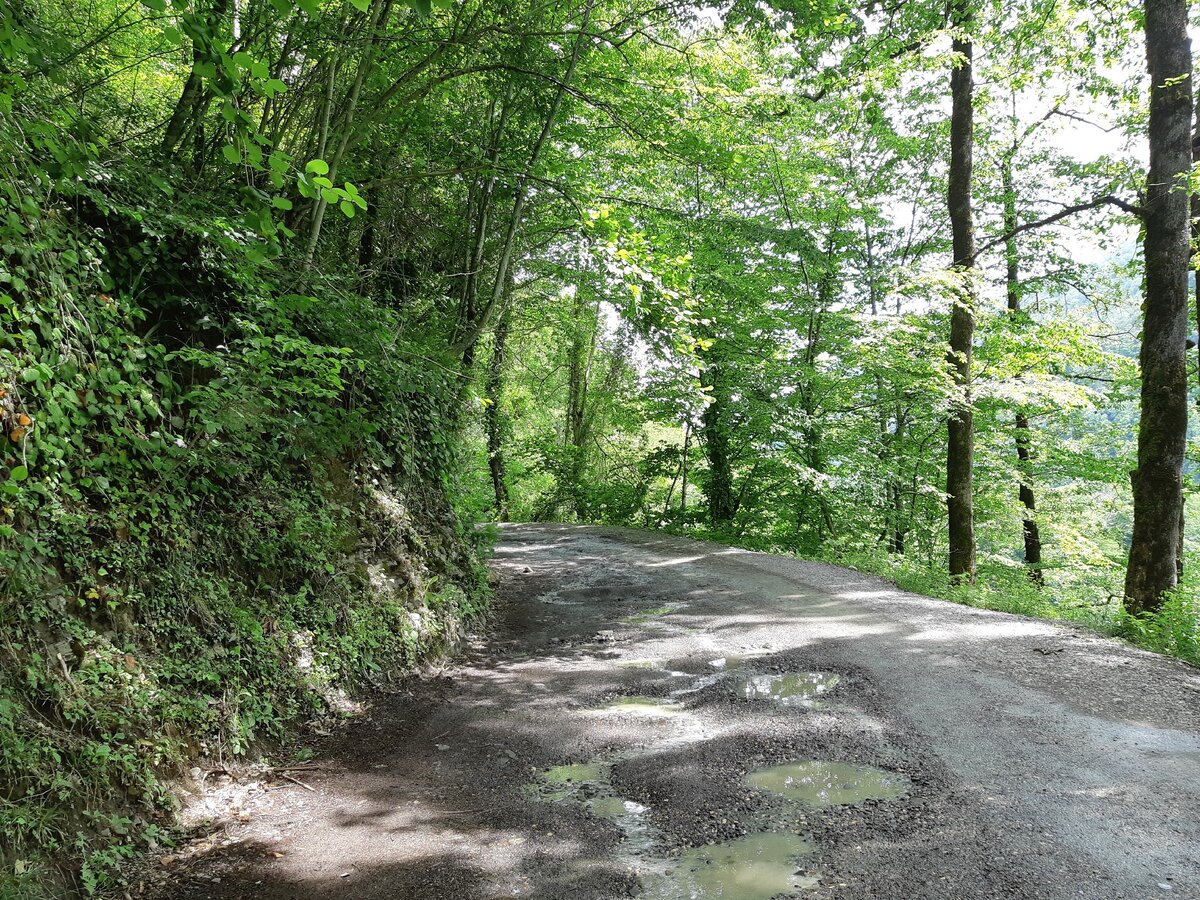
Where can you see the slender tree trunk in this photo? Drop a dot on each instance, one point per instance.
(193, 97)
(687, 436)
(494, 416)
(580, 351)
(379, 13)
(722, 501)
(960, 448)
(473, 329)
(687, 433)
(1029, 525)
(1158, 479)
(1196, 224)
(898, 531)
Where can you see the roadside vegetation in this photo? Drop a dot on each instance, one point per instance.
(295, 293)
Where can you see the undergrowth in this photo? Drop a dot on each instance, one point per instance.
(223, 505)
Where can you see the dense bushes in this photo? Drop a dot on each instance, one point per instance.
(224, 502)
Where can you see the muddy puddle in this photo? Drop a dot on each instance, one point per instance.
(647, 616)
(795, 689)
(770, 861)
(649, 707)
(590, 785)
(756, 867)
(819, 783)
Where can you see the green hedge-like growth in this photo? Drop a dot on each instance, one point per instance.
(223, 503)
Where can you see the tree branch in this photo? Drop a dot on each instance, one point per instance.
(1106, 200)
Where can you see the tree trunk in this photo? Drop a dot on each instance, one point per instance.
(1029, 525)
(1158, 479)
(494, 417)
(380, 11)
(580, 351)
(1196, 223)
(960, 446)
(722, 502)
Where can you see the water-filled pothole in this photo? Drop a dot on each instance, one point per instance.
(649, 662)
(648, 615)
(756, 867)
(649, 707)
(820, 783)
(572, 773)
(796, 689)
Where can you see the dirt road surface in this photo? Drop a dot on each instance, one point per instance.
(630, 729)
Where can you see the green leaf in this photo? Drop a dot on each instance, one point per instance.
(317, 166)
(322, 182)
(361, 5)
(19, 473)
(422, 7)
(281, 203)
(156, 5)
(232, 153)
(347, 209)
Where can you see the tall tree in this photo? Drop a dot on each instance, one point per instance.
(961, 428)
(1162, 435)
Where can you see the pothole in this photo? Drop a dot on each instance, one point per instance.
(756, 867)
(590, 785)
(649, 615)
(649, 707)
(795, 689)
(573, 773)
(821, 783)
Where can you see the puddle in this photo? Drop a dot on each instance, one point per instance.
(614, 807)
(650, 707)
(797, 689)
(651, 662)
(699, 684)
(590, 785)
(820, 783)
(576, 773)
(756, 867)
(648, 615)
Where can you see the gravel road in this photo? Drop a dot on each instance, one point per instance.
(629, 729)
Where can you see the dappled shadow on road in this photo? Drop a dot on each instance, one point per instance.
(429, 795)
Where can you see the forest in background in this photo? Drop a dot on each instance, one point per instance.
(296, 292)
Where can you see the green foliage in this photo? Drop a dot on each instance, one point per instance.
(222, 505)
